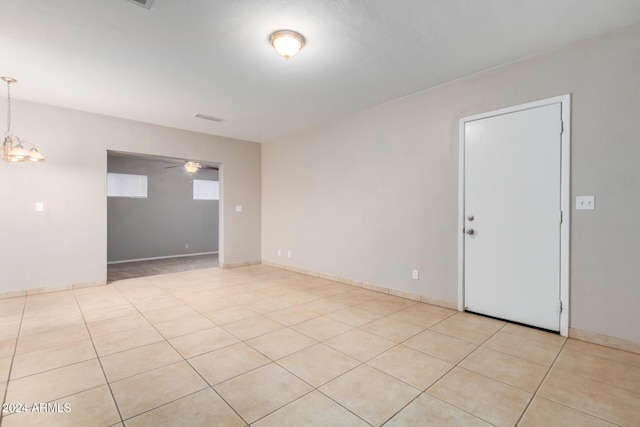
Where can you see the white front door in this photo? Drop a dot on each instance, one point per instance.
(512, 210)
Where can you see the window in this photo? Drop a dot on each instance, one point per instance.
(204, 189)
(124, 185)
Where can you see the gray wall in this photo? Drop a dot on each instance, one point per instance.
(67, 243)
(167, 220)
(374, 195)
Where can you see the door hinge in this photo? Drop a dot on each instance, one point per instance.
(561, 126)
(560, 312)
(560, 217)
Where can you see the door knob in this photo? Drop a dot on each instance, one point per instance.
(470, 217)
(470, 231)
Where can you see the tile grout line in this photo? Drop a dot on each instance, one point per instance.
(598, 381)
(98, 358)
(608, 359)
(270, 362)
(290, 327)
(457, 365)
(184, 359)
(361, 363)
(427, 388)
(49, 370)
(365, 362)
(340, 404)
(485, 340)
(560, 403)
(165, 339)
(13, 357)
(70, 364)
(535, 393)
(275, 361)
(317, 388)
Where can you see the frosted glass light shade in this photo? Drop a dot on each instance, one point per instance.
(35, 156)
(18, 153)
(287, 43)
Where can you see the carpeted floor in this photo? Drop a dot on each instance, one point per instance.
(131, 270)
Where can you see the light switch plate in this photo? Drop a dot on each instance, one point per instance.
(238, 208)
(585, 203)
(39, 207)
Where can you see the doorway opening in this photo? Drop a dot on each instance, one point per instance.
(163, 215)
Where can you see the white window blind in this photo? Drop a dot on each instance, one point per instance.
(204, 189)
(125, 185)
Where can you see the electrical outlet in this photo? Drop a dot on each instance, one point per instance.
(288, 254)
(585, 203)
(186, 246)
(415, 274)
(279, 252)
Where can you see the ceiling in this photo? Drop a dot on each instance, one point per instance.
(181, 57)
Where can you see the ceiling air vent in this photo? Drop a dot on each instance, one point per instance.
(204, 116)
(144, 3)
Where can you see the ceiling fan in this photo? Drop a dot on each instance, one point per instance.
(191, 166)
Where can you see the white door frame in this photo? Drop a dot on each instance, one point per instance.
(565, 198)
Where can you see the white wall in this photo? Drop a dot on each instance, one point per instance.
(67, 244)
(372, 196)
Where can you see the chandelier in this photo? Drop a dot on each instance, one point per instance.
(13, 147)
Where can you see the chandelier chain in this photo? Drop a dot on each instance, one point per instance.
(8, 108)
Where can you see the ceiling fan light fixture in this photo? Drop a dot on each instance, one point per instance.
(192, 167)
(287, 43)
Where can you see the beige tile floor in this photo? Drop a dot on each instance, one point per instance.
(266, 347)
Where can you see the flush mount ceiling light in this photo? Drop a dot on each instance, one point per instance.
(13, 147)
(287, 43)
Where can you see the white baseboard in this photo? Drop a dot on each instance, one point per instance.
(160, 257)
(579, 334)
(372, 287)
(36, 291)
(606, 340)
(240, 264)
